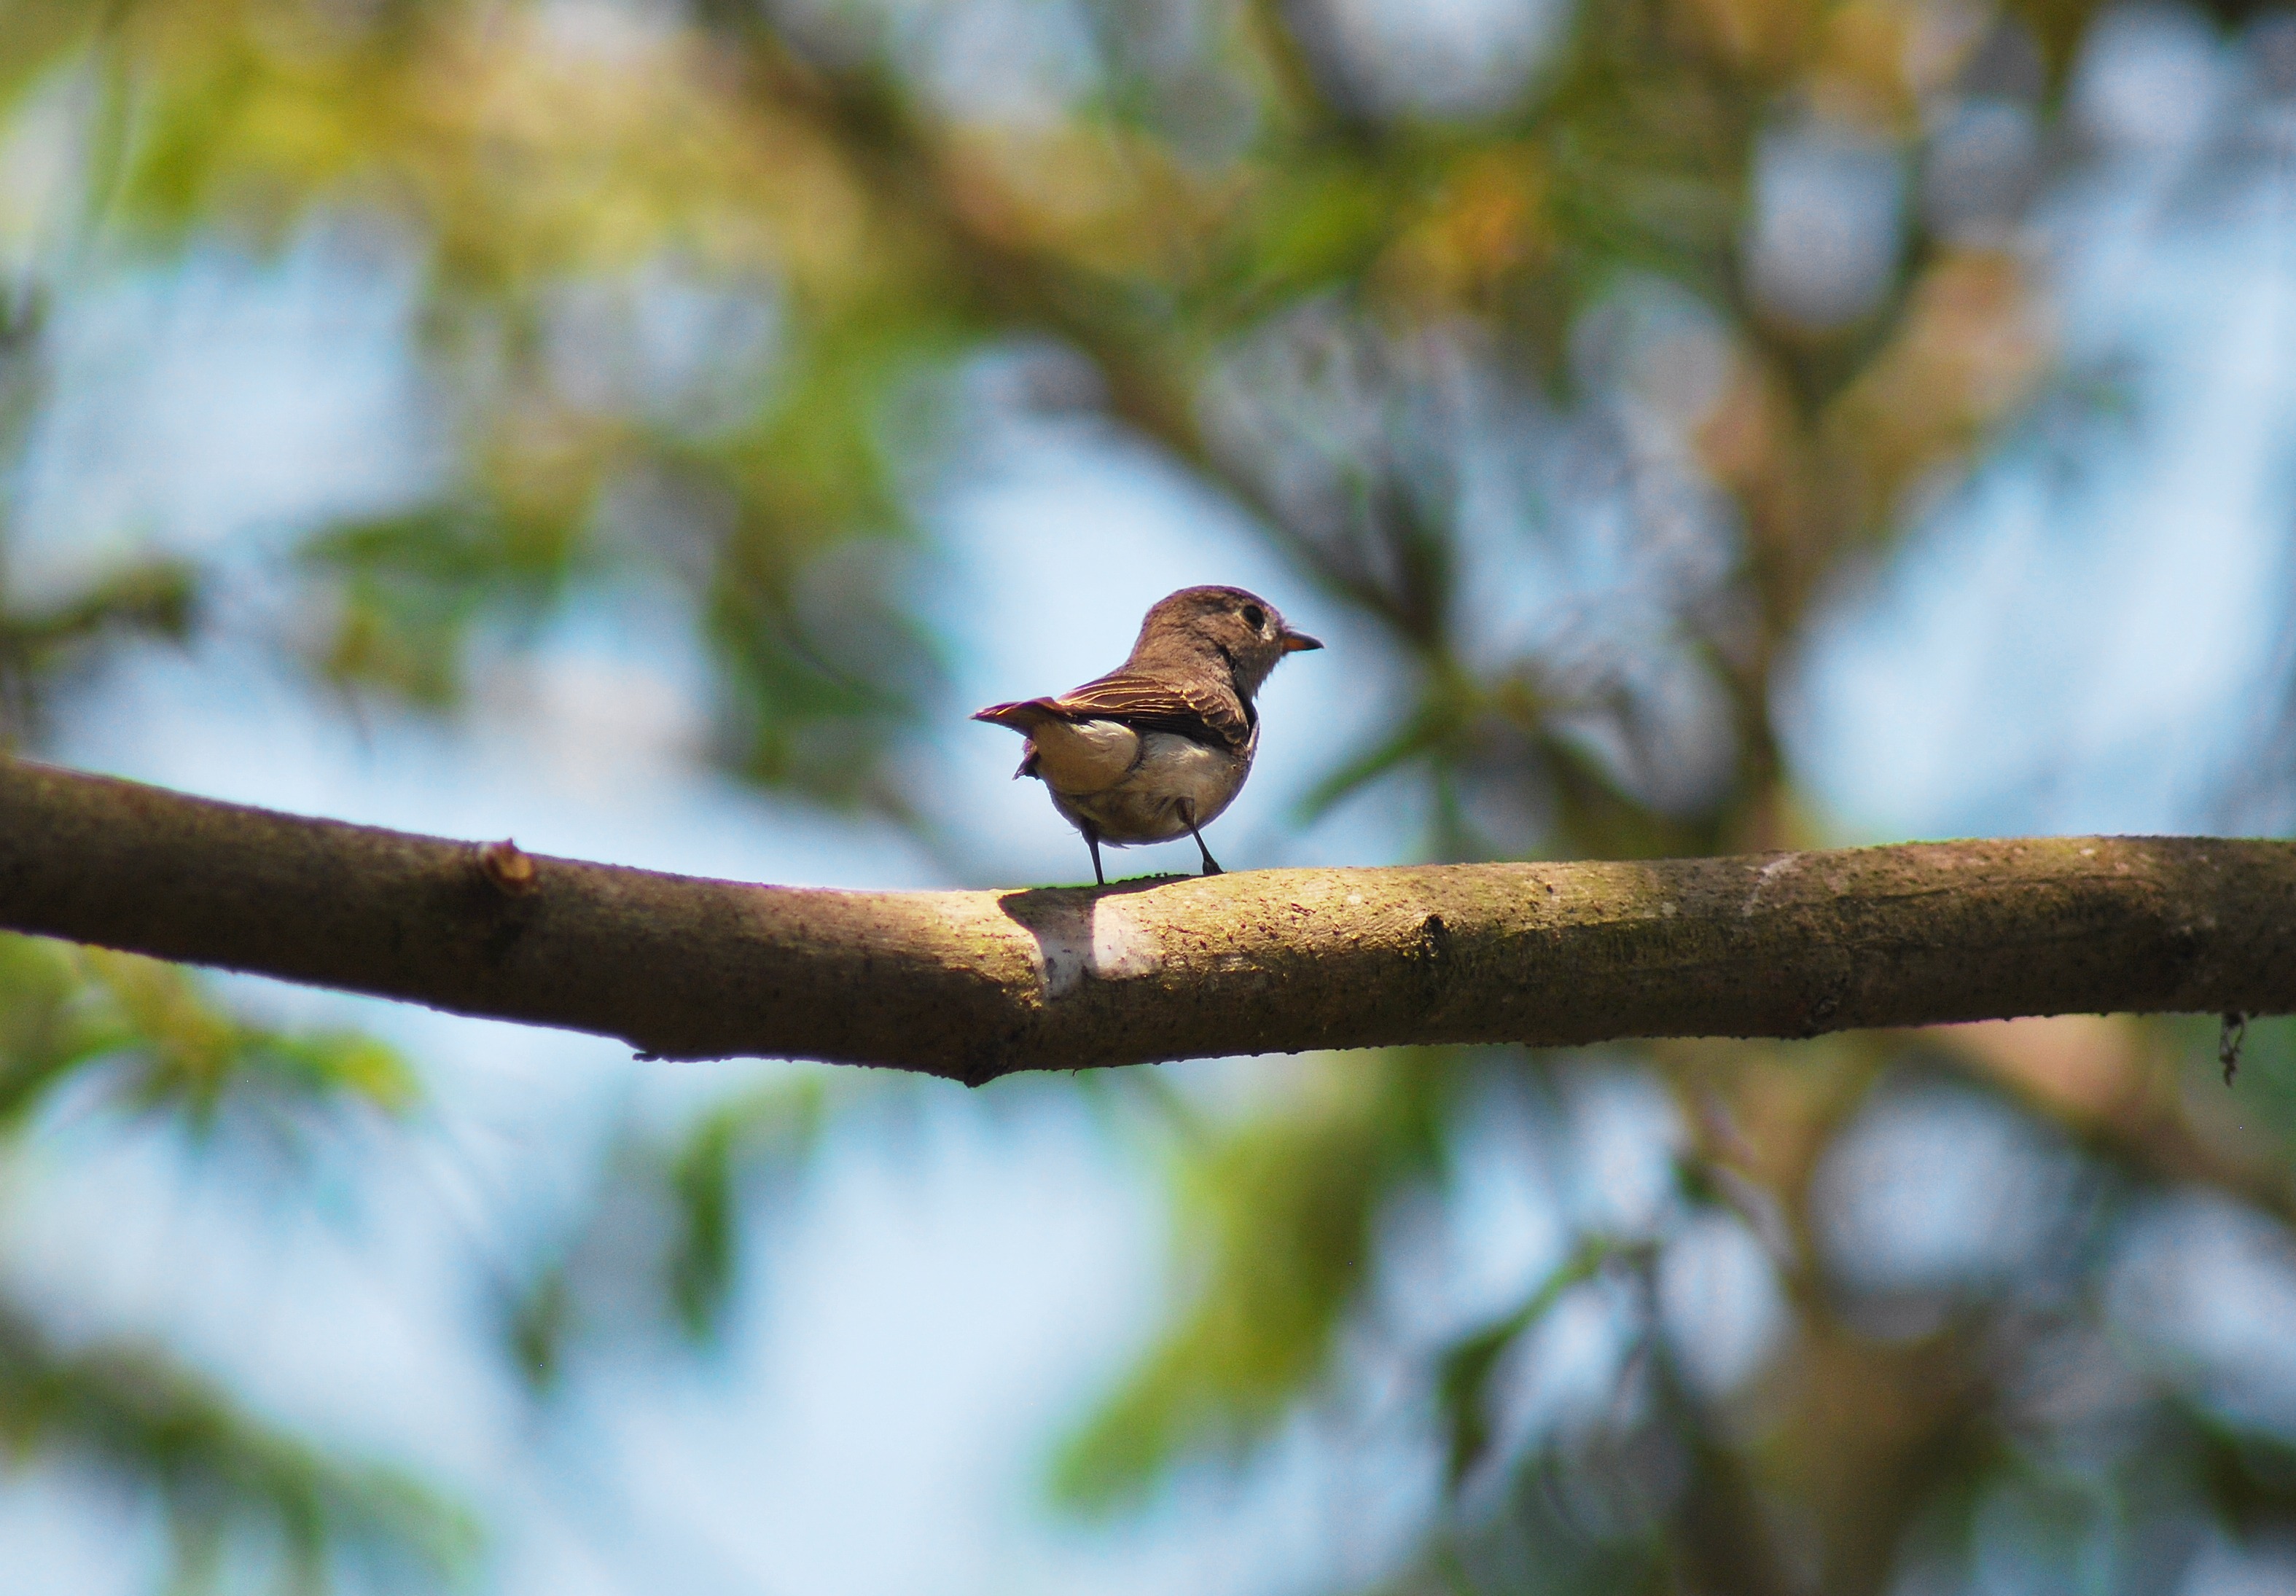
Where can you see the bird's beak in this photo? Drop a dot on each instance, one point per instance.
(1295, 642)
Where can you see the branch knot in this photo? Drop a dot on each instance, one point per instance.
(508, 869)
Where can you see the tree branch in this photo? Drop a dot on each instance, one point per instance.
(975, 984)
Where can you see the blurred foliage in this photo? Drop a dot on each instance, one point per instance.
(223, 1479)
(700, 287)
(153, 1043)
(1281, 1207)
(38, 646)
(663, 1229)
(411, 587)
(141, 1038)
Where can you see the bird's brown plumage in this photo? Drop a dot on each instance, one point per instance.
(1158, 746)
(1206, 711)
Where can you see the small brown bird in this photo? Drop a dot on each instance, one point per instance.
(1157, 748)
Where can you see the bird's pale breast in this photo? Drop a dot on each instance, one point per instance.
(1171, 780)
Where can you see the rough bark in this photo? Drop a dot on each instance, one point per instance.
(975, 984)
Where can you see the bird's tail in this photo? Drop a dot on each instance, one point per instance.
(1024, 716)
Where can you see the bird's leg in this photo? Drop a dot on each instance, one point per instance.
(1211, 865)
(1091, 842)
(1188, 814)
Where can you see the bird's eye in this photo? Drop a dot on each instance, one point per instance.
(1254, 617)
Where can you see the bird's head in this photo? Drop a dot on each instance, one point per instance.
(1244, 627)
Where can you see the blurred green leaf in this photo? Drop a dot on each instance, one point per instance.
(408, 590)
(162, 1046)
(665, 1227)
(757, 1136)
(1464, 1370)
(822, 664)
(148, 598)
(1276, 1216)
(218, 1472)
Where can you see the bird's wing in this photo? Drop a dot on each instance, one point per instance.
(1208, 714)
